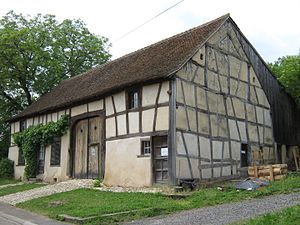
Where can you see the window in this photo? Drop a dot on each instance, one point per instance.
(133, 99)
(146, 147)
(21, 159)
(244, 155)
(22, 125)
(55, 152)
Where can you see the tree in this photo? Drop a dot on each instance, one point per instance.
(36, 53)
(287, 71)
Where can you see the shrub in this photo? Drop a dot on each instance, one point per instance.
(97, 183)
(6, 168)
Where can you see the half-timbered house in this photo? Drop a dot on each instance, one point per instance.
(194, 106)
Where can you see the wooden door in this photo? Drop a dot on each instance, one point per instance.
(80, 157)
(93, 147)
(160, 159)
(89, 156)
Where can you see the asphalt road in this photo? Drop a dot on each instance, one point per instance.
(10, 215)
(225, 213)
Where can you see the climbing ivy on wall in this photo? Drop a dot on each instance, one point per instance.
(31, 140)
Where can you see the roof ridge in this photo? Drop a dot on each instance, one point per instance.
(227, 15)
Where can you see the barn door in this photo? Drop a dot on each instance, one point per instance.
(160, 159)
(89, 157)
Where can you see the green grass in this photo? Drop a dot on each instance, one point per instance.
(87, 202)
(18, 188)
(8, 181)
(288, 216)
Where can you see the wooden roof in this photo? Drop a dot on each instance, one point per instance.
(157, 61)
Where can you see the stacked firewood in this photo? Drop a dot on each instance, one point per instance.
(268, 172)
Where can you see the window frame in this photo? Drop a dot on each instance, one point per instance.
(146, 148)
(129, 99)
(55, 152)
(21, 158)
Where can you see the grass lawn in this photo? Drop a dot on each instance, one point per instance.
(87, 202)
(18, 188)
(288, 216)
(8, 181)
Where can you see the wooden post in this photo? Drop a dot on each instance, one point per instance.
(271, 173)
(255, 171)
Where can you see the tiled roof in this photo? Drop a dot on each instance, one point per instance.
(157, 61)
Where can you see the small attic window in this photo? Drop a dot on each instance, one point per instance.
(133, 99)
(201, 56)
(253, 79)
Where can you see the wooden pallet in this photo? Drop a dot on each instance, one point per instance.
(268, 172)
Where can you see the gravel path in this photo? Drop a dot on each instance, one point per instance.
(64, 186)
(225, 213)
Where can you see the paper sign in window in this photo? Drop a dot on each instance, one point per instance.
(164, 151)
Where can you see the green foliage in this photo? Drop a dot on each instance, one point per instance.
(87, 202)
(6, 168)
(4, 140)
(31, 140)
(97, 183)
(287, 71)
(4, 181)
(37, 53)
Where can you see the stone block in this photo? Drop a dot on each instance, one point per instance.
(199, 76)
(212, 81)
(181, 120)
(149, 94)
(216, 103)
(96, 105)
(217, 149)
(253, 78)
(267, 117)
(242, 129)
(253, 96)
(192, 119)
(224, 84)
(260, 114)
(109, 106)
(164, 96)
(189, 93)
(222, 60)
(238, 108)
(253, 133)
(218, 126)
(119, 100)
(162, 119)
(268, 136)
(77, 110)
(201, 98)
(121, 124)
(251, 112)
(203, 123)
(211, 60)
(198, 58)
(191, 144)
(147, 120)
(233, 130)
(133, 118)
(110, 127)
(204, 147)
(244, 72)
(234, 66)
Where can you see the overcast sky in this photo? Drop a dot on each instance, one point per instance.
(272, 26)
